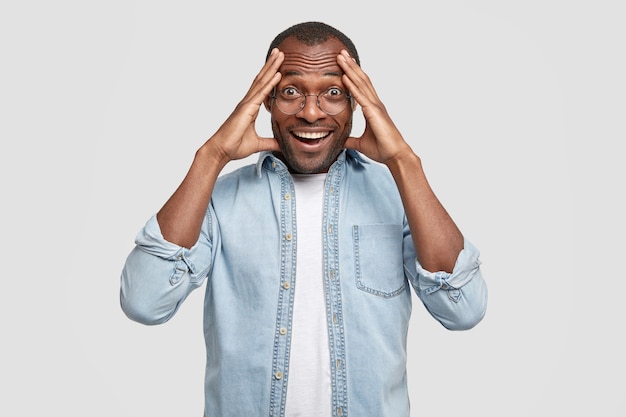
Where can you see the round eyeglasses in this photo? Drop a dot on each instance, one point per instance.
(290, 100)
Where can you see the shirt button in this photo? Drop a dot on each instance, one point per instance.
(288, 236)
(286, 285)
(283, 330)
(273, 164)
(287, 196)
(278, 375)
(444, 286)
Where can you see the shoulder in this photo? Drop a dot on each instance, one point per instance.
(364, 169)
(232, 182)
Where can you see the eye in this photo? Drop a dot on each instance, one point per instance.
(290, 92)
(334, 92)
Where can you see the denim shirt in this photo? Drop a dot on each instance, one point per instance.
(246, 254)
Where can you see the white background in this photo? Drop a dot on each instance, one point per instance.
(517, 109)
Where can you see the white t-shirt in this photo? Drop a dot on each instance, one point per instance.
(308, 387)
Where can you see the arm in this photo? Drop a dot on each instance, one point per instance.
(447, 277)
(437, 239)
(171, 257)
(181, 217)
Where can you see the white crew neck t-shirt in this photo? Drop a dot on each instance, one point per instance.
(308, 387)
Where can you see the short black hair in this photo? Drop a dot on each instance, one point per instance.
(314, 33)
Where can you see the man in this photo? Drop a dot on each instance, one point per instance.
(309, 255)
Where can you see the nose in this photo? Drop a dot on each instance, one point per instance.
(311, 110)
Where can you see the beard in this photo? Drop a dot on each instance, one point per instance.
(309, 163)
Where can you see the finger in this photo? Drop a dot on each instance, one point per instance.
(268, 144)
(267, 78)
(356, 80)
(357, 143)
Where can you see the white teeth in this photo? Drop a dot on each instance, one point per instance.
(311, 135)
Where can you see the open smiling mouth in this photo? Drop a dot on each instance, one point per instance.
(311, 137)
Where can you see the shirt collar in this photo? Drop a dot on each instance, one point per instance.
(268, 160)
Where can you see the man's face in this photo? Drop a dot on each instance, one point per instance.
(310, 140)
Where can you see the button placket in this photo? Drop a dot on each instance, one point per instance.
(285, 300)
(333, 291)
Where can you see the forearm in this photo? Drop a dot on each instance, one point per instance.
(158, 275)
(180, 218)
(436, 237)
(458, 300)
(147, 294)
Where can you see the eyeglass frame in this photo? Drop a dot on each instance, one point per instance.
(317, 101)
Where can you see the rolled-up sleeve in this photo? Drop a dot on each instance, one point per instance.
(458, 300)
(158, 275)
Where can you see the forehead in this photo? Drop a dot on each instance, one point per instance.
(301, 58)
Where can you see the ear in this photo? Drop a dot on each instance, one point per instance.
(353, 102)
(268, 103)
(268, 100)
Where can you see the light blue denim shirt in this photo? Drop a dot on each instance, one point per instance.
(246, 254)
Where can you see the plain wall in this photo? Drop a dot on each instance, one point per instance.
(516, 108)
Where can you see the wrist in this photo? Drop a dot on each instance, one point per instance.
(405, 161)
(212, 156)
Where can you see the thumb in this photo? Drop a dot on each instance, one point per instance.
(268, 144)
(353, 143)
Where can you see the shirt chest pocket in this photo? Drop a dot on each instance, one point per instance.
(378, 259)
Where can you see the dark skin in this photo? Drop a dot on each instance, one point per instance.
(309, 142)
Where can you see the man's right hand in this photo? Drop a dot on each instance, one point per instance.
(180, 219)
(237, 137)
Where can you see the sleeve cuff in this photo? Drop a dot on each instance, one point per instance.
(466, 266)
(151, 240)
